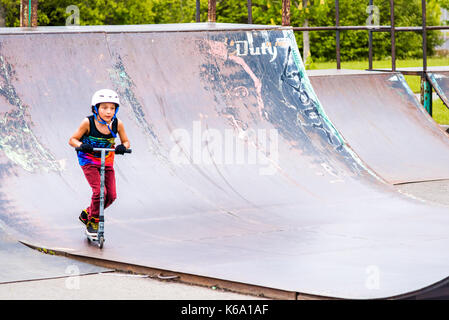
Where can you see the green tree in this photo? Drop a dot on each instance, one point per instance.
(112, 12)
(443, 3)
(354, 44)
(12, 12)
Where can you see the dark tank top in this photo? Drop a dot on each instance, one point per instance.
(97, 140)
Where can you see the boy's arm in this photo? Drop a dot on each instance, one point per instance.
(122, 134)
(74, 140)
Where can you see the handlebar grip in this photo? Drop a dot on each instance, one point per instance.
(78, 148)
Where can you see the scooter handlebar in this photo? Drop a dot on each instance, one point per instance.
(106, 149)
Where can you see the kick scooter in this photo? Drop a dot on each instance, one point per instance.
(100, 235)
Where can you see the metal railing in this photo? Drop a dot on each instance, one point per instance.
(337, 28)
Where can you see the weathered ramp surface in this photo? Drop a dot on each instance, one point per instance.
(440, 83)
(384, 124)
(236, 173)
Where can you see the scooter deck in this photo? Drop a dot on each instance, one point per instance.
(95, 238)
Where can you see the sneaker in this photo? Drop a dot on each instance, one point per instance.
(92, 227)
(83, 217)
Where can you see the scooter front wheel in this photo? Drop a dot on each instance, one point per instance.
(101, 242)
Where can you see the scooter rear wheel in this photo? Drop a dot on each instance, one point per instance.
(101, 242)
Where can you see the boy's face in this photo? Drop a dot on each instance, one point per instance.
(106, 110)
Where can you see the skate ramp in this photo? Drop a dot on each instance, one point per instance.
(438, 77)
(384, 124)
(236, 171)
(440, 83)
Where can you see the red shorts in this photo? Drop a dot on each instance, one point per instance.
(92, 174)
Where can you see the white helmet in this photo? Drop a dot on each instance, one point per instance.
(105, 95)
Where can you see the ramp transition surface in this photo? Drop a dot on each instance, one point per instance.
(236, 172)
